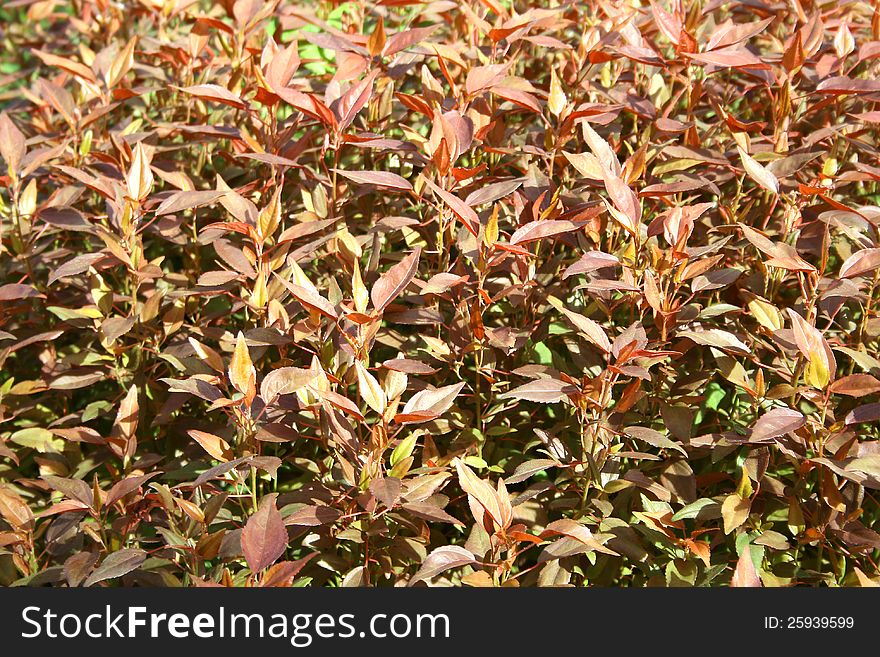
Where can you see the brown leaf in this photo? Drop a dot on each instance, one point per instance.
(117, 564)
(15, 510)
(308, 298)
(860, 262)
(844, 85)
(434, 402)
(285, 381)
(16, 291)
(72, 67)
(442, 559)
(856, 385)
(354, 100)
(545, 391)
(728, 58)
(124, 487)
(264, 537)
(577, 531)
(187, 200)
(12, 143)
(483, 499)
(378, 178)
(283, 573)
(74, 489)
(214, 93)
(394, 281)
(387, 490)
(312, 516)
(462, 210)
(538, 230)
(775, 423)
(408, 366)
(595, 333)
(863, 413)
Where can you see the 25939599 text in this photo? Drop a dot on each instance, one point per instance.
(809, 622)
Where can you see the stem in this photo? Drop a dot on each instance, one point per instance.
(254, 488)
(869, 303)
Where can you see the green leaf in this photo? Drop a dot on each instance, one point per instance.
(41, 440)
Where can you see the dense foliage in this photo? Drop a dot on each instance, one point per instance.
(451, 293)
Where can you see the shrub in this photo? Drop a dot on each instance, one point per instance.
(441, 293)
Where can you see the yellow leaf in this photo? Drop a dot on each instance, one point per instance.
(733, 371)
(395, 383)
(816, 373)
(206, 354)
(190, 509)
(320, 383)
(766, 314)
(27, 202)
(744, 489)
(347, 245)
(556, 101)
(299, 277)
(758, 173)
(359, 290)
(734, 512)
(214, 445)
(260, 295)
(483, 499)
(140, 176)
(844, 43)
(370, 389)
(121, 64)
(270, 216)
(242, 374)
(829, 167)
(601, 150)
(127, 418)
(586, 164)
(621, 218)
(123, 440)
(490, 234)
(811, 343)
